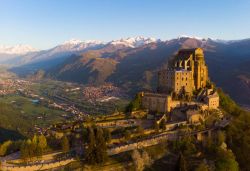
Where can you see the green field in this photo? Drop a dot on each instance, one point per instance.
(30, 111)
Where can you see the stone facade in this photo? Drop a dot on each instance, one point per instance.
(186, 72)
(177, 81)
(213, 100)
(158, 102)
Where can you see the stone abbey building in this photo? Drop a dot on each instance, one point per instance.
(186, 73)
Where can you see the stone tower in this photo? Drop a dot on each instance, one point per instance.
(185, 73)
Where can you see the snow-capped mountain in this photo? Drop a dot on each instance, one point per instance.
(78, 45)
(74, 46)
(18, 49)
(63, 50)
(134, 42)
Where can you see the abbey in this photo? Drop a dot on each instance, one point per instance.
(185, 82)
(186, 72)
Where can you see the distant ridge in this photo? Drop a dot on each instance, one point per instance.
(132, 63)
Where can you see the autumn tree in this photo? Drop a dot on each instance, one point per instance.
(4, 147)
(141, 160)
(27, 150)
(42, 144)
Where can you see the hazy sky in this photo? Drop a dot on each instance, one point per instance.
(46, 23)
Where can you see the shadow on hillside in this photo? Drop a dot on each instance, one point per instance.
(6, 134)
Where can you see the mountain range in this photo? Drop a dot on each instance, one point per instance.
(133, 63)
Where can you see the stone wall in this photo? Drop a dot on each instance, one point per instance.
(124, 122)
(141, 144)
(7, 167)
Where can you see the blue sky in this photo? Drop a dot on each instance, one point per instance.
(46, 23)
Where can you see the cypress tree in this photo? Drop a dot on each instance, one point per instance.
(181, 163)
(107, 135)
(101, 148)
(90, 150)
(65, 144)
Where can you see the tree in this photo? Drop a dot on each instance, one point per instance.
(34, 145)
(96, 149)
(163, 124)
(156, 127)
(226, 161)
(202, 167)
(35, 140)
(107, 135)
(24, 151)
(127, 135)
(101, 148)
(65, 144)
(27, 150)
(146, 158)
(181, 163)
(90, 150)
(4, 147)
(238, 136)
(137, 160)
(220, 137)
(135, 104)
(140, 129)
(42, 144)
(141, 160)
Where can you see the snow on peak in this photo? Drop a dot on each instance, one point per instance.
(134, 41)
(77, 42)
(191, 37)
(18, 49)
(76, 45)
(73, 41)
